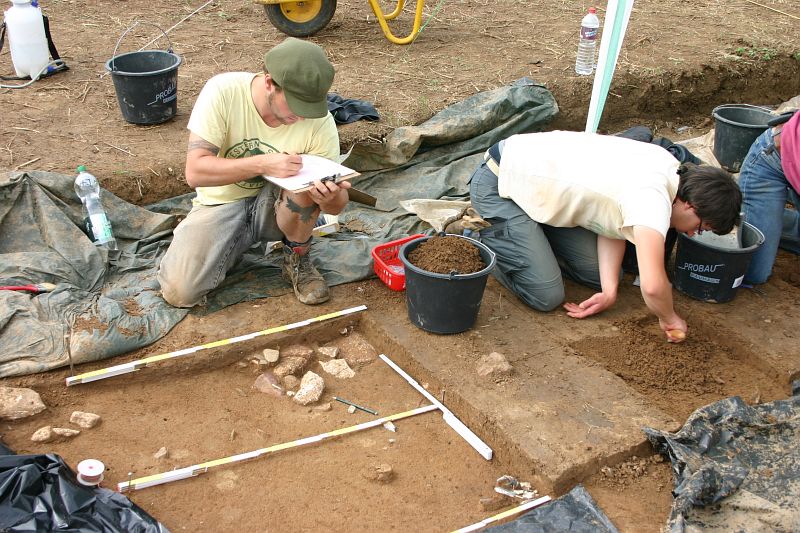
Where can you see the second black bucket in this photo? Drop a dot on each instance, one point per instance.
(710, 272)
(736, 127)
(146, 83)
(444, 303)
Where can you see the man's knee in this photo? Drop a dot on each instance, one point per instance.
(179, 294)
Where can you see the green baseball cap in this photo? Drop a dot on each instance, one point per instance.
(304, 73)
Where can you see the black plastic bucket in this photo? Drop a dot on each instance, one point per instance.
(736, 127)
(444, 303)
(713, 273)
(146, 83)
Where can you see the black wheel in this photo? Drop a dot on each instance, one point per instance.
(301, 19)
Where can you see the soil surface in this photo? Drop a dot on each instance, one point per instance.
(445, 255)
(678, 62)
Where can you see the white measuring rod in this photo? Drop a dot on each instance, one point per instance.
(466, 433)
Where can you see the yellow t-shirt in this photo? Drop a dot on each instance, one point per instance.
(603, 183)
(225, 115)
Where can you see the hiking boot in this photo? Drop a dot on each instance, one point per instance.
(309, 285)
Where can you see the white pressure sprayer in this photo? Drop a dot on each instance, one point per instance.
(26, 38)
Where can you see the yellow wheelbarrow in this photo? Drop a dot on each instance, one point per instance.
(301, 19)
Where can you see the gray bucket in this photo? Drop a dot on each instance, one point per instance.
(146, 83)
(736, 127)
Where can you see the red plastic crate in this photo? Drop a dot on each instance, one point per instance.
(387, 262)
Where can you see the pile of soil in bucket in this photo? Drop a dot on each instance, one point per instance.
(447, 254)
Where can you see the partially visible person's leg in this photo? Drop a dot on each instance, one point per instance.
(210, 241)
(790, 237)
(764, 190)
(525, 263)
(205, 245)
(576, 251)
(296, 215)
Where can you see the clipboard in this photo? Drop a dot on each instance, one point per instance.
(314, 168)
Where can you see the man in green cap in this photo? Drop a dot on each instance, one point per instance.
(244, 126)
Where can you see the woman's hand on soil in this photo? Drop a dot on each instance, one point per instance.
(675, 329)
(598, 302)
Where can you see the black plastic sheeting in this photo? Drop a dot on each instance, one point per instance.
(575, 512)
(106, 304)
(736, 467)
(41, 493)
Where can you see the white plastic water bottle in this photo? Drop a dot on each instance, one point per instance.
(26, 38)
(590, 24)
(98, 226)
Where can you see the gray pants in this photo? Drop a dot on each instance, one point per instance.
(209, 242)
(531, 257)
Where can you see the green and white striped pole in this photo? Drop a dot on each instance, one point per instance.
(618, 13)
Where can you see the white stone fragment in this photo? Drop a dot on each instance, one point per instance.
(44, 434)
(331, 352)
(66, 432)
(270, 355)
(494, 364)
(311, 387)
(338, 368)
(49, 434)
(84, 420)
(162, 453)
(18, 403)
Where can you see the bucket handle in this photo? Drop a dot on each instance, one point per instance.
(114, 55)
(746, 106)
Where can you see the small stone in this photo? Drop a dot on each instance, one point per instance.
(351, 409)
(382, 473)
(44, 434)
(290, 393)
(311, 387)
(242, 364)
(392, 441)
(49, 434)
(290, 382)
(290, 366)
(338, 368)
(84, 420)
(356, 350)
(270, 355)
(768, 321)
(494, 364)
(298, 350)
(162, 453)
(330, 352)
(614, 328)
(268, 384)
(494, 502)
(18, 403)
(322, 408)
(66, 433)
(344, 331)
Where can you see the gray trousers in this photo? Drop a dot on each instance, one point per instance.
(532, 257)
(209, 242)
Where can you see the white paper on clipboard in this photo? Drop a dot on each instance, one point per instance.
(314, 168)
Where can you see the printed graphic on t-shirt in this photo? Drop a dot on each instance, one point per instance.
(247, 148)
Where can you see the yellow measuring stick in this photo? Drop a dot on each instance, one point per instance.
(132, 366)
(202, 468)
(505, 514)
